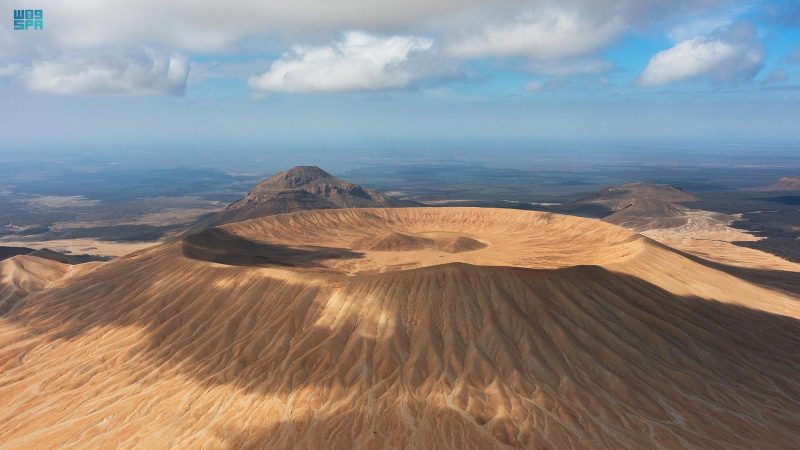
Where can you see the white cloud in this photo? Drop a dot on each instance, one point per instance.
(547, 34)
(119, 72)
(553, 30)
(714, 58)
(555, 38)
(215, 25)
(359, 61)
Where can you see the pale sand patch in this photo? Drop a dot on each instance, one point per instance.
(157, 219)
(83, 246)
(59, 201)
(704, 237)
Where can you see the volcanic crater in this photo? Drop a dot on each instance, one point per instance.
(360, 328)
(357, 241)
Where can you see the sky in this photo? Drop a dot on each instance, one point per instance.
(337, 73)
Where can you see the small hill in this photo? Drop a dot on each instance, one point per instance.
(301, 188)
(25, 274)
(658, 212)
(620, 196)
(392, 241)
(785, 184)
(645, 206)
(460, 244)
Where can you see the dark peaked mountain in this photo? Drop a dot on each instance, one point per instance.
(302, 188)
(623, 195)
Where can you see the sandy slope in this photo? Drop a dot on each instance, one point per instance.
(559, 332)
(721, 250)
(25, 274)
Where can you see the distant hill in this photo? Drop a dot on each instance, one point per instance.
(621, 196)
(301, 188)
(646, 206)
(785, 184)
(23, 275)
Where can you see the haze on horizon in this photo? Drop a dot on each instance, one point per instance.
(337, 74)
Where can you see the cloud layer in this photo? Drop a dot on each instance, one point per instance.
(141, 71)
(547, 34)
(359, 61)
(215, 25)
(720, 58)
(382, 44)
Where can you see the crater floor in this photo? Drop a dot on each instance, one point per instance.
(359, 241)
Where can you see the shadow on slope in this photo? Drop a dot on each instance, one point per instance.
(575, 357)
(433, 427)
(8, 252)
(782, 280)
(220, 246)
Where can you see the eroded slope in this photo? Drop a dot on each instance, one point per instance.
(560, 333)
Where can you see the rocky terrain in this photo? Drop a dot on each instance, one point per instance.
(301, 188)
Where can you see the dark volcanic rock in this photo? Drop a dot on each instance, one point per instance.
(643, 206)
(301, 188)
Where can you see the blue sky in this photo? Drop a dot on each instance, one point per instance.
(311, 73)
